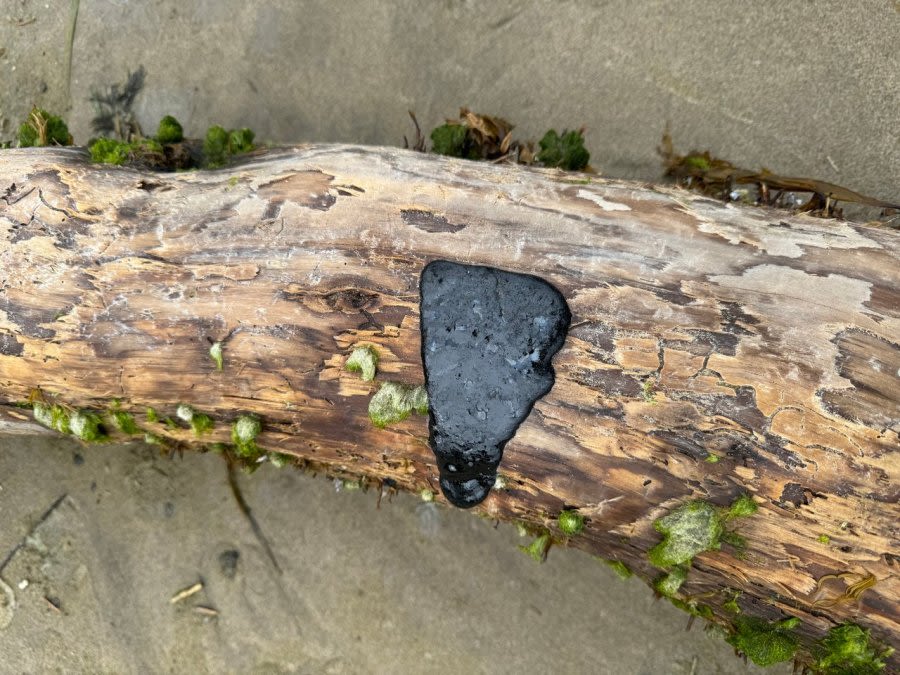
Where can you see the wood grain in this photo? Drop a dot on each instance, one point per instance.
(699, 329)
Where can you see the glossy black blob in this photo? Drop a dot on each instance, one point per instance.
(487, 340)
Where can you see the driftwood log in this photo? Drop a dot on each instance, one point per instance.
(714, 350)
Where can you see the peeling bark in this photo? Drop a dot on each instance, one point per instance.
(714, 350)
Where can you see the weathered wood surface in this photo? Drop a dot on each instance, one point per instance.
(698, 329)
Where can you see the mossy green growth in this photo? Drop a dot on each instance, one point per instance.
(279, 459)
(220, 144)
(668, 584)
(363, 360)
(823, 539)
(690, 529)
(426, 495)
(697, 163)
(693, 608)
(109, 151)
(564, 151)
(394, 402)
(215, 353)
(731, 604)
(570, 522)
(848, 650)
(538, 548)
(152, 415)
(621, 569)
(240, 140)
(351, 485)
(199, 422)
(52, 416)
(764, 643)
(243, 434)
(153, 439)
(695, 527)
(124, 422)
(41, 128)
(449, 139)
(170, 130)
(87, 426)
(742, 507)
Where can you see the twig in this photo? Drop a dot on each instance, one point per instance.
(186, 593)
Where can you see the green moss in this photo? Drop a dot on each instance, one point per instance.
(695, 527)
(848, 650)
(215, 146)
(152, 415)
(570, 522)
(52, 416)
(279, 459)
(153, 439)
(240, 140)
(124, 422)
(426, 495)
(565, 151)
(620, 568)
(731, 604)
(538, 548)
(220, 144)
(243, 434)
(762, 642)
(202, 424)
(668, 584)
(87, 426)
(690, 529)
(41, 128)
(449, 139)
(711, 458)
(394, 402)
(215, 353)
(693, 608)
(742, 507)
(28, 136)
(109, 151)
(170, 130)
(823, 539)
(199, 422)
(697, 163)
(363, 360)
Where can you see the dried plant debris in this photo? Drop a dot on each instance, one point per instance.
(42, 129)
(720, 178)
(486, 137)
(419, 139)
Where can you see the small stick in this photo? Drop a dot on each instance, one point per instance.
(186, 593)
